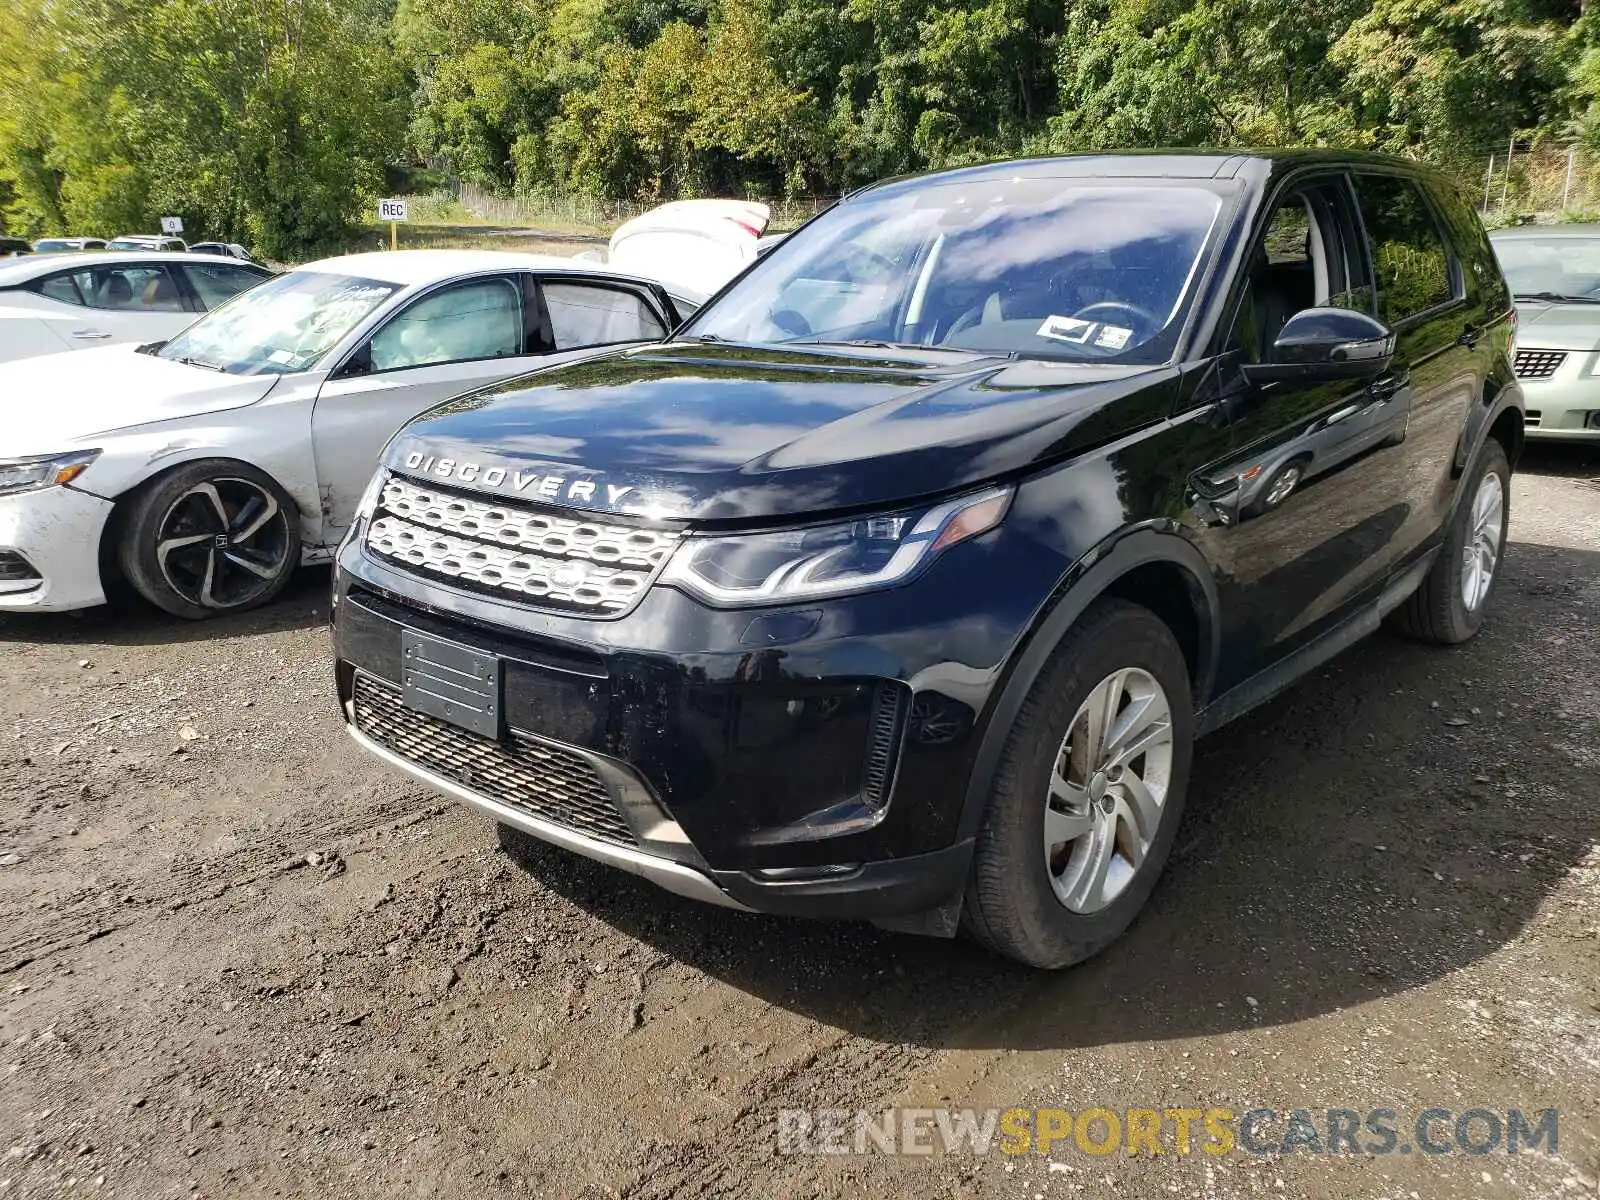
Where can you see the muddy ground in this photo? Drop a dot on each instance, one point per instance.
(238, 959)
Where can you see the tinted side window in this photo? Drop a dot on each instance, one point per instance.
(1307, 256)
(220, 282)
(583, 314)
(63, 287)
(480, 319)
(134, 288)
(1408, 251)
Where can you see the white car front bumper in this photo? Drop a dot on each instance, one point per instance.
(57, 532)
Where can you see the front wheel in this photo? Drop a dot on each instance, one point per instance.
(1087, 798)
(211, 537)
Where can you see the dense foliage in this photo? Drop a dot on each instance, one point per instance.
(275, 122)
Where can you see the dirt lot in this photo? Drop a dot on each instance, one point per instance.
(238, 959)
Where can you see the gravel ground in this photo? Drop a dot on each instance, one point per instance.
(238, 959)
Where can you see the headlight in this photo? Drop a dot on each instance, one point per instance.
(829, 560)
(32, 474)
(369, 498)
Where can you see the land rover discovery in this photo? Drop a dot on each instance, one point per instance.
(898, 583)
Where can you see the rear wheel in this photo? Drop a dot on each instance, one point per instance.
(1449, 605)
(211, 537)
(1087, 798)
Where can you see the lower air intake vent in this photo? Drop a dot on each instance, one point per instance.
(883, 743)
(538, 777)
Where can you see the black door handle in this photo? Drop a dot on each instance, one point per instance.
(1469, 337)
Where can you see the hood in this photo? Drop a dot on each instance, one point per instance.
(1557, 326)
(54, 401)
(730, 433)
(695, 245)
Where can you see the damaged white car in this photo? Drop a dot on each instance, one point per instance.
(205, 469)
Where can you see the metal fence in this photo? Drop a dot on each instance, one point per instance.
(588, 212)
(1539, 183)
(1519, 182)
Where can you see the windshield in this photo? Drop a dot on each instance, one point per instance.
(1552, 267)
(1037, 268)
(53, 244)
(286, 324)
(125, 244)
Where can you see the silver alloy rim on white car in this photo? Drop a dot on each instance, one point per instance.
(224, 543)
(1481, 552)
(1108, 790)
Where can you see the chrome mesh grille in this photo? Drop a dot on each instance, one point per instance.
(535, 776)
(561, 562)
(1538, 364)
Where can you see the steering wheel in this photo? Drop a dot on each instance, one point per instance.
(1107, 312)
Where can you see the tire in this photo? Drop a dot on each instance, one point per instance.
(1440, 611)
(171, 539)
(1019, 899)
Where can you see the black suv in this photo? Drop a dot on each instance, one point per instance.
(898, 583)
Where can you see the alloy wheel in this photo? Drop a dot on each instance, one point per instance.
(224, 543)
(1481, 552)
(1108, 788)
(1282, 486)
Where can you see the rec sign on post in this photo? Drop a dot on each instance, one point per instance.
(392, 211)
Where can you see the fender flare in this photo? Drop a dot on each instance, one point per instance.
(1085, 582)
(114, 527)
(180, 456)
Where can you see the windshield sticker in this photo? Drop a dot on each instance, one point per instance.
(1066, 329)
(1112, 337)
(283, 357)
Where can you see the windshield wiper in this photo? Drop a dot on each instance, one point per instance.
(1556, 297)
(190, 360)
(874, 343)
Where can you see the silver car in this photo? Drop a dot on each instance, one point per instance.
(1554, 273)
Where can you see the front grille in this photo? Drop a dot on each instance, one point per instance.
(565, 563)
(1531, 417)
(883, 745)
(530, 774)
(1538, 364)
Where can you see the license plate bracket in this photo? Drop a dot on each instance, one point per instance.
(450, 681)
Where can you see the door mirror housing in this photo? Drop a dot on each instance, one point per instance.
(1320, 344)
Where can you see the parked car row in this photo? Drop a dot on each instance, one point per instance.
(16, 247)
(895, 580)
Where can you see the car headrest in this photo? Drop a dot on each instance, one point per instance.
(159, 290)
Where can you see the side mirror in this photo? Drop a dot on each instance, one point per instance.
(1321, 344)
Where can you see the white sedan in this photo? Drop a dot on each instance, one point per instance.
(204, 470)
(55, 302)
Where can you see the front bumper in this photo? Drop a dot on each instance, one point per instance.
(1565, 405)
(50, 545)
(812, 762)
